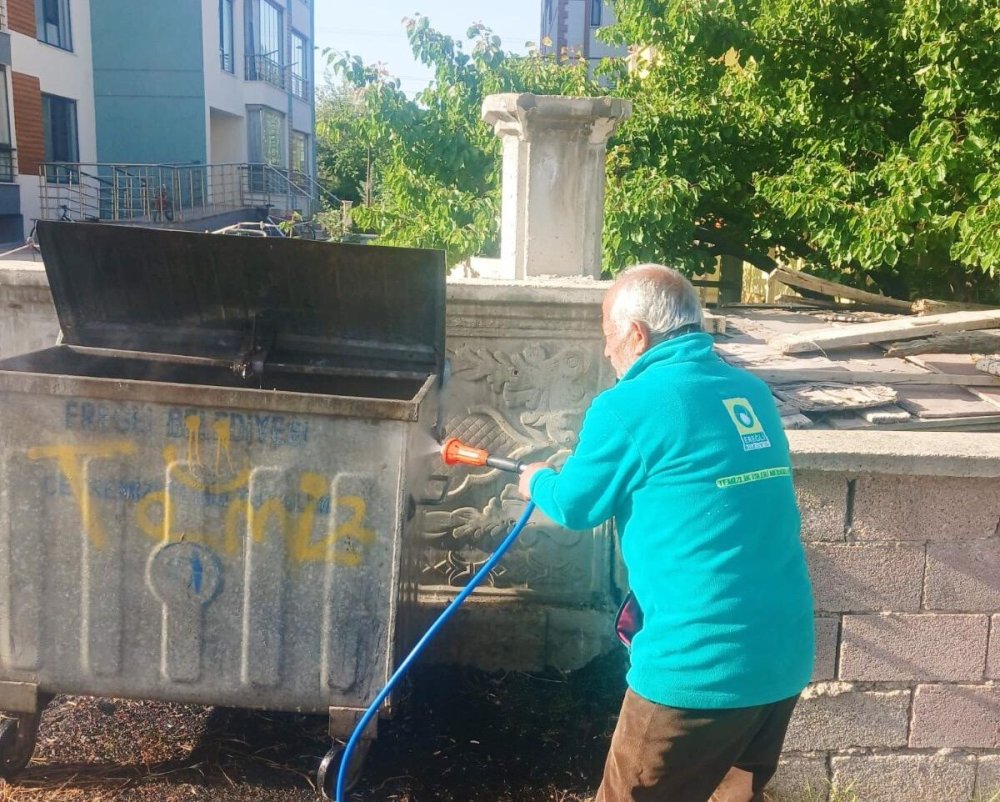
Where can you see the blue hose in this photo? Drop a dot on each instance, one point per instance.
(481, 574)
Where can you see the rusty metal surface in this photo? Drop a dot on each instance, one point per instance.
(201, 294)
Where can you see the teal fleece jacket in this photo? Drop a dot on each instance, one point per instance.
(688, 454)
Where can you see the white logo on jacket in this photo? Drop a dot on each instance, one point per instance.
(747, 424)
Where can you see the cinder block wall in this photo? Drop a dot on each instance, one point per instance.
(905, 562)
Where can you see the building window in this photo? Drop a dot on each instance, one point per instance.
(264, 35)
(300, 66)
(596, 6)
(266, 148)
(53, 23)
(7, 165)
(298, 156)
(226, 35)
(59, 121)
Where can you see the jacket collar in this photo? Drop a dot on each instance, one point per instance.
(683, 347)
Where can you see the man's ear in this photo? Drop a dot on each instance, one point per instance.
(639, 333)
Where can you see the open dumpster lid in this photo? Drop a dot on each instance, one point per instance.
(325, 305)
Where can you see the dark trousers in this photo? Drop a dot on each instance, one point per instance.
(668, 754)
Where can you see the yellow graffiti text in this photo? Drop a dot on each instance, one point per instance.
(72, 461)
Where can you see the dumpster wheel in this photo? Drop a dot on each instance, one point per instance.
(326, 775)
(17, 742)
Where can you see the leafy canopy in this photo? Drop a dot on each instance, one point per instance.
(863, 137)
(438, 163)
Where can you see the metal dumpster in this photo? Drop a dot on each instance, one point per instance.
(204, 488)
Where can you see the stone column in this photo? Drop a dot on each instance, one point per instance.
(553, 180)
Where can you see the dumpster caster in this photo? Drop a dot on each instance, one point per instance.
(17, 742)
(326, 776)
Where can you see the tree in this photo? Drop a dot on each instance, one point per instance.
(438, 164)
(862, 137)
(343, 146)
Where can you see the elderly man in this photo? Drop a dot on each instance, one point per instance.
(688, 455)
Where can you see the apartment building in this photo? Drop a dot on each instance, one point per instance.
(115, 103)
(569, 29)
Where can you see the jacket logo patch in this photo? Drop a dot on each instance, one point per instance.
(747, 424)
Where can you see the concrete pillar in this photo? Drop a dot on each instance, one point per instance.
(552, 211)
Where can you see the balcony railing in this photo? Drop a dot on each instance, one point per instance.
(169, 193)
(300, 87)
(264, 68)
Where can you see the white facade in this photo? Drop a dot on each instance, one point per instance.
(66, 73)
(231, 97)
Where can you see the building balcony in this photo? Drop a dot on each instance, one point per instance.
(301, 88)
(263, 68)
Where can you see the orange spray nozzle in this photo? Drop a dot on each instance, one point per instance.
(455, 452)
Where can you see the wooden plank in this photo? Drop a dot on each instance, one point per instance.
(904, 328)
(796, 278)
(963, 342)
(713, 324)
(888, 414)
(925, 306)
(943, 402)
(792, 376)
(980, 423)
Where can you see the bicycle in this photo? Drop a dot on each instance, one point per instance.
(270, 226)
(163, 206)
(31, 241)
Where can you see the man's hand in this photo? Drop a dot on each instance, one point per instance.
(524, 483)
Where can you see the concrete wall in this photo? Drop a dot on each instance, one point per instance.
(901, 531)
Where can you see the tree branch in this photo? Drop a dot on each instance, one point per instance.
(723, 245)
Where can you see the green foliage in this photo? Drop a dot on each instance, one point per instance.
(343, 142)
(863, 137)
(437, 162)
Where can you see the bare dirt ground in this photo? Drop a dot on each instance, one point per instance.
(460, 735)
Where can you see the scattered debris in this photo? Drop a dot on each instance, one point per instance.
(828, 396)
(989, 364)
(936, 392)
(986, 341)
(806, 281)
(901, 328)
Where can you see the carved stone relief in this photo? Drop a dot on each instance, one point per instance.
(527, 401)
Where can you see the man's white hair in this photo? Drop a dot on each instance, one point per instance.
(659, 297)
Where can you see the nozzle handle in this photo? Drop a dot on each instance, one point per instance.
(505, 464)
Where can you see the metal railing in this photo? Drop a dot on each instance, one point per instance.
(166, 193)
(264, 68)
(300, 87)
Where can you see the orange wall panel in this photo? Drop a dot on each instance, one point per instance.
(21, 17)
(28, 122)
